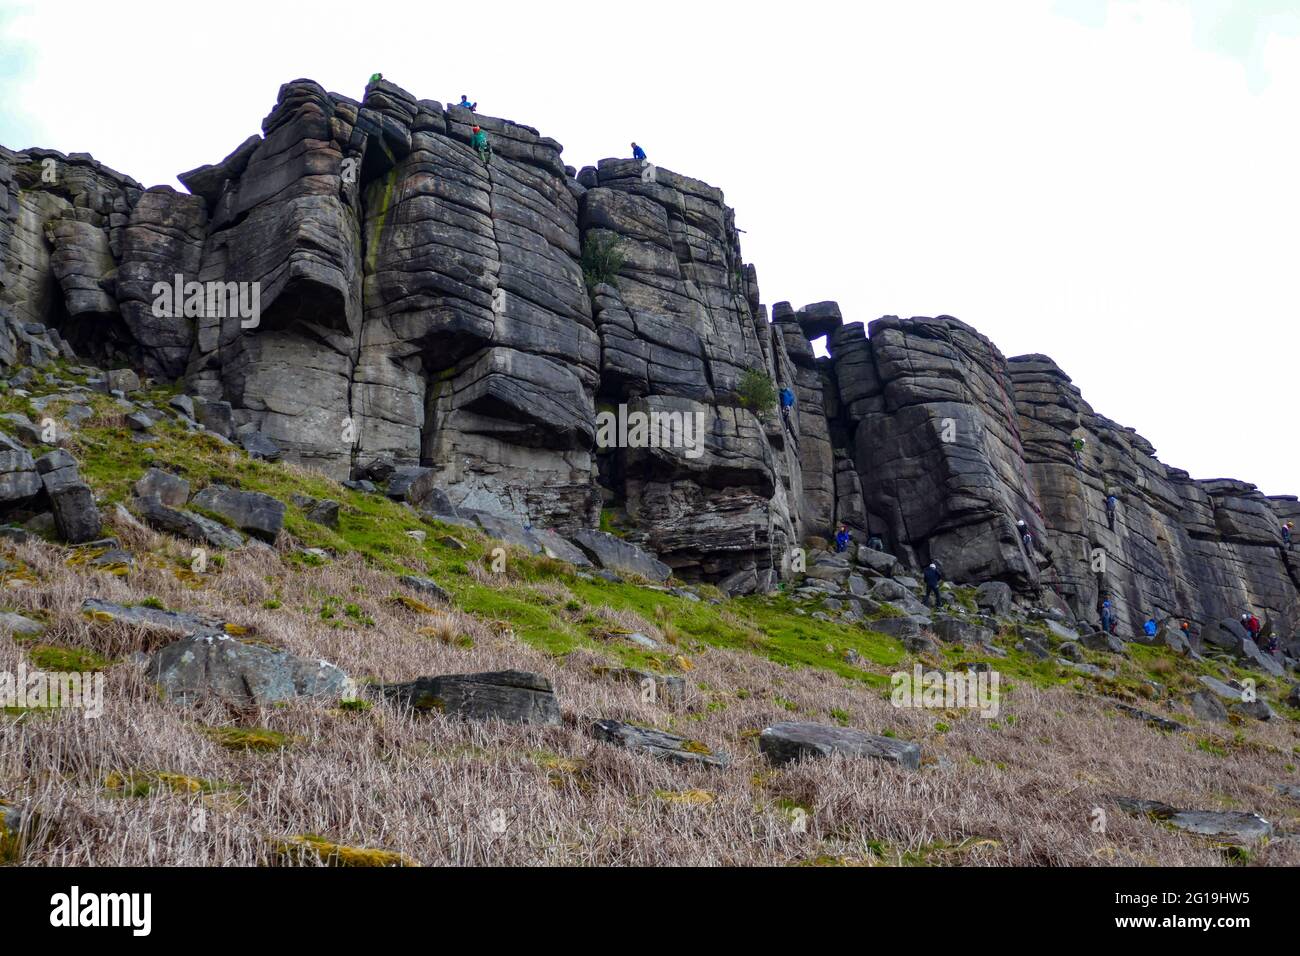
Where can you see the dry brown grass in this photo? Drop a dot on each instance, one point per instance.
(1017, 791)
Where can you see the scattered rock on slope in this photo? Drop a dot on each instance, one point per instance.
(514, 696)
(218, 666)
(250, 511)
(658, 743)
(784, 742)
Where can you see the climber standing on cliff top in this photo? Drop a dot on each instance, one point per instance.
(638, 153)
(480, 142)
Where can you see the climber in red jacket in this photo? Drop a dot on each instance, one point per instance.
(1251, 623)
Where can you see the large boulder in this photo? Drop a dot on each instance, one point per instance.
(185, 524)
(514, 696)
(614, 554)
(19, 481)
(76, 517)
(785, 742)
(250, 511)
(994, 597)
(172, 490)
(219, 667)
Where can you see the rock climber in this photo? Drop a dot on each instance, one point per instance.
(638, 153)
(375, 78)
(1107, 616)
(1286, 534)
(875, 543)
(842, 539)
(465, 104)
(932, 578)
(1026, 537)
(1111, 504)
(480, 142)
(787, 403)
(1079, 443)
(1251, 623)
(1150, 628)
(1186, 628)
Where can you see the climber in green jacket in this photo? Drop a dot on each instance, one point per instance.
(375, 79)
(480, 142)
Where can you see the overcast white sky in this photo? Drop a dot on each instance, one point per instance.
(1114, 184)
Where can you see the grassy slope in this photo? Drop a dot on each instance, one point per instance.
(756, 655)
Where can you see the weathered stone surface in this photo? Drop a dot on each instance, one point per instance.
(250, 511)
(185, 524)
(1206, 706)
(514, 696)
(76, 517)
(422, 309)
(994, 597)
(658, 744)
(784, 742)
(171, 490)
(323, 511)
(218, 666)
(19, 482)
(1224, 826)
(177, 621)
(426, 587)
(11, 623)
(614, 554)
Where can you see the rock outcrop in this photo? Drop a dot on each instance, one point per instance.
(530, 348)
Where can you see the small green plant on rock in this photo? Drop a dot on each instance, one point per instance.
(602, 258)
(756, 392)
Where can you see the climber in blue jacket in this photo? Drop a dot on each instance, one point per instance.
(1107, 616)
(465, 104)
(638, 153)
(1150, 628)
(1111, 504)
(842, 538)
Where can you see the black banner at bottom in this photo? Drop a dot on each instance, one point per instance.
(342, 906)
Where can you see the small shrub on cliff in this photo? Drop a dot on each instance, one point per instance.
(602, 258)
(756, 391)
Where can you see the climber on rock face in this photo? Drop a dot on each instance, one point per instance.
(842, 538)
(1150, 627)
(480, 142)
(1107, 616)
(1079, 444)
(1286, 534)
(1026, 537)
(932, 578)
(1111, 504)
(638, 153)
(375, 78)
(465, 104)
(1251, 623)
(787, 403)
(874, 542)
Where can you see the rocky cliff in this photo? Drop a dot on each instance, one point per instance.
(439, 324)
